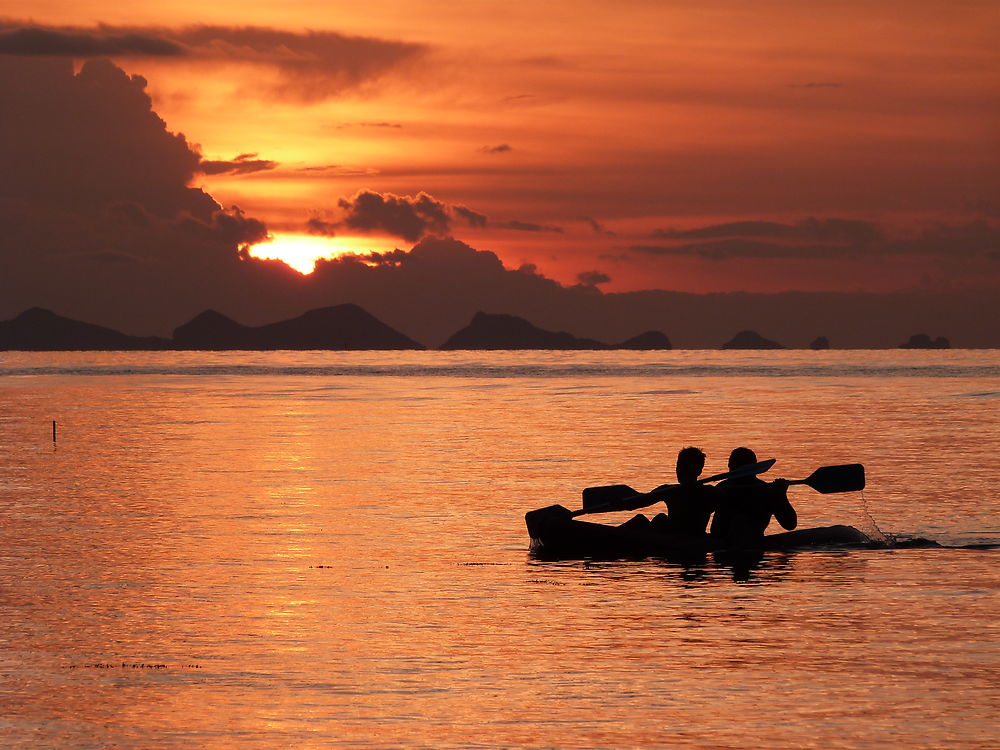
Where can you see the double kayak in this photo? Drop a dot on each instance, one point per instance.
(556, 534)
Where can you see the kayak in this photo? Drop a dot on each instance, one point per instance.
(556, 535)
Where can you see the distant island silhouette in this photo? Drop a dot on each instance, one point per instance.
(751, 340)
(499, 331)
(41, 330)
(345, 327)
(342, 327)
(923, 341)
(820, 342)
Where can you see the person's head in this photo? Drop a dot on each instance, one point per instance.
(690, 462)
(741, 457)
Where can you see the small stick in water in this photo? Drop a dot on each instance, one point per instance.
(53, 430)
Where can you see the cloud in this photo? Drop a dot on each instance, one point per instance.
(322, 228)
(96, 204)
(473, 218)
(816, 85)
(411, 217)
(525, 226)
(229, 227)
(739, 248)
(99, 222)
(405, 216)
(85, 141)
(312, 65)
(819, 230)
(980, 237)
(598, 227)
(593, 278)
(401, 215)
(30, 41)
(500, 149)
(844, 238)
(337, 169)
(242, 164)
(985, 208)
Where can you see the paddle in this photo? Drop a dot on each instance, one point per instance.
(612, 497)
(842, 478)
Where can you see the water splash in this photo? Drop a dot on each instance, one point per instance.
(871, 529)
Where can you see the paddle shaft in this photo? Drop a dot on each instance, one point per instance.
(654, 495)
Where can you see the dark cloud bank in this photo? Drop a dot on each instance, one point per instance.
(98, 222)
(311, 65)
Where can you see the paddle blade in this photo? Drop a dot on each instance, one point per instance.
(844, 478)
(605, 499)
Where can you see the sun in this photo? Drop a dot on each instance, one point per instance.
(301, 251)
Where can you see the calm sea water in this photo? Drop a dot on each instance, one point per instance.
(309, 550)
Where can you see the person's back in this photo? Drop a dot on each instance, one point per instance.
(689, 504)
(746, 505)
(688, 510)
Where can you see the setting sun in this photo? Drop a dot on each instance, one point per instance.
(301, 251)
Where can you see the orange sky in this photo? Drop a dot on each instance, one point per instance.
(582, 131)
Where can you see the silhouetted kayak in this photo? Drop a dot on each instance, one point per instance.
(555, 534)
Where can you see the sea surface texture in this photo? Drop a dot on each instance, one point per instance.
(325, 549)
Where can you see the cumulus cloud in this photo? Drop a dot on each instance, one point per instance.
(405, 216)
(242, 164)
(312, 65)
(96, 202)
(410, 217)
(401, 215)
(116, 149)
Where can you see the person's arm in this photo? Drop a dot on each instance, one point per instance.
(719, 503)
(665, 492)
(783, 511)
(715, 528)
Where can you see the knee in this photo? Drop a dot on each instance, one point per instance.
(636, 522)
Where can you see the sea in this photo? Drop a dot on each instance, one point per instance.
(327, 550)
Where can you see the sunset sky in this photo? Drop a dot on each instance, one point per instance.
(687, 146)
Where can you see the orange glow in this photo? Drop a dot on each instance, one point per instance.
(301, 251)
(524, 115)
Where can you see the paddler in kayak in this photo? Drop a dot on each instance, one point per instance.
(689, 504)
(745, 506)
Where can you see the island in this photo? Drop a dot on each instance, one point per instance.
(39, 330)
(498, 331)
(342, 327)
(819, 343)
(751, 340)
(923, 341)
